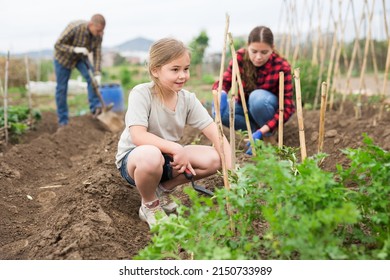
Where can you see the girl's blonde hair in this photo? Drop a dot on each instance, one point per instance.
(161, 53)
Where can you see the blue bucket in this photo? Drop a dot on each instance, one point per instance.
(112, 93)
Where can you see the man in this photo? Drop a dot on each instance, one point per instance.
(72, 48)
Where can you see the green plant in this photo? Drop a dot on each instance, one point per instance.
(303, 212)
(124, 75)
(208, 79)
(202, 231)
(17, 117)
(280, 209)
(369, 177)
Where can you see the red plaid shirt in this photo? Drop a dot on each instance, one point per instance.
(267, 79)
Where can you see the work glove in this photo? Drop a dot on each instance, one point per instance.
(81, 50)
(258, 135)
(98, 79)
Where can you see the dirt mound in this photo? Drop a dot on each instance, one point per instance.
(61, 196)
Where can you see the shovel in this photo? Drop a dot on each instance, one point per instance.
(110, 120)
(198, 188)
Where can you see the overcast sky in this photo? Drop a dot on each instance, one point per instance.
(27, 25)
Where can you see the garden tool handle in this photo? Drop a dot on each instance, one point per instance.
(188, 174)
(94, 83)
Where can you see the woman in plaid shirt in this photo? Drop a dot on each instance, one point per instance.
(259, 66)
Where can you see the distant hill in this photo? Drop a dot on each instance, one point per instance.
(135, 45)
(45, 54)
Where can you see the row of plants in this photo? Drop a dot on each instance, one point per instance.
(281, 209)
(18, 117)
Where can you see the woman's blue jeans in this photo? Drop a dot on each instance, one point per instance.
(262, 106)
(63, 75)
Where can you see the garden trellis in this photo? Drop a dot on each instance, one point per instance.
(15, 119)
(346, 49)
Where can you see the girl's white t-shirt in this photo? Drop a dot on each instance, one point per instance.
(145, 109)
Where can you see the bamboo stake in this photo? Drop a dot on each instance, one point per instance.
(358, 114)
(217, 98)
(336, 84)
(332, 57)
(354, 55)
(383, 93)
(375, 64)
(385, 19)
(323, 45)
(280, 27)
(242, 96)
(300, 114)
(321, 132)
(281, 109)
(289, 24)
(28, 91)
(1, 91)
(217, 105)
(309, 34)
(297, 37)
(317, 42)
(6, 100)
(232, 106)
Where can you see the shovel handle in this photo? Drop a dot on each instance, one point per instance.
(94, 83)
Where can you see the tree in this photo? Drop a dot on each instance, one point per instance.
(198, 46)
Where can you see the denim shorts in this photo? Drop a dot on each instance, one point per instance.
(166, 175)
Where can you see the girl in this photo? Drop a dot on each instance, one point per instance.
(149, 156)
(259, 66)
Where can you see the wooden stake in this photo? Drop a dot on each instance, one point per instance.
(232, 106)
(317, 42)
(217, 98)
(309, 33)
(340, 47)
(322, 45)
(290, 31)
(280, 27)
(281, 109)
(363, 68)
(28, 91)
(6, 100)
(385, 20)
(332, 56)
(298, 34)
(321, 132)
(300, 114)
(355, 49)
(242, 96)
(375, 64)
(217, 105)
(383, 93)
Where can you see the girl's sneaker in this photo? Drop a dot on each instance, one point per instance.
(166, 201)
(152, 213)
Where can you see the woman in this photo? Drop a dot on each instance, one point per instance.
(259, 66)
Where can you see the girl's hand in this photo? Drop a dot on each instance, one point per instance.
(181, 162)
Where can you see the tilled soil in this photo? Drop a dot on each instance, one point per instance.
(61, 196)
